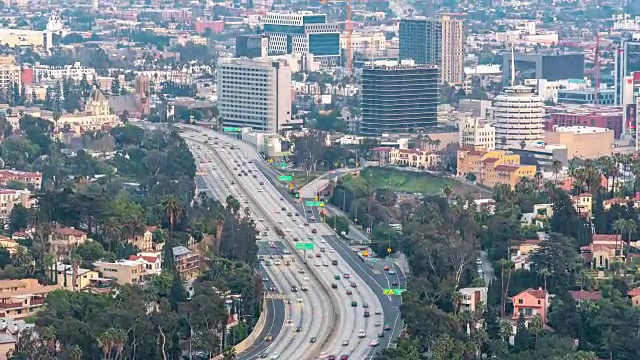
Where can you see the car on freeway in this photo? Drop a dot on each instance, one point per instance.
(344, 357)
(260, 190)
(294, 288)
(330, 357)
(313, 340)
(367, 314)
(378, 311)
(261, 182)
(349, 292)
(353, 284)
(312, 217)
(361, 334)
(346, 276)
(387, 327)
(378, 324)
(386, 267)
(304, 288)
(289, 321)
(325, 264)
(269, 337)
(298, 329)
(354, 304)
(264, 355)
(310, 256)
(272, 288)
(275, 356)
(318, 255)
(299, 300)
(277, 263)
(334, 262)
(381, 334)
(337, 277)
(345, 342)
(374, 343)
(301, 271)
(395, 283)
(265, 279)
(365, 305)
(334, 286)
(392, 272)
(315, 231)
(323, 249)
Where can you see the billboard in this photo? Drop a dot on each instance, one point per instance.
(632, 55)
(631, 118)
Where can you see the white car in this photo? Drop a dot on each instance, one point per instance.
(361, 334)
(374, 343)
(301, 226)
(332, 250)
(317, 264)
(299, 300)
(288, 230)
(277, 263)
(378, 323)
(378, 311)
(305, 279)
(259, 190)
(280, 222)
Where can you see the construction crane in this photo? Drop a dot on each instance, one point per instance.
(348, 26)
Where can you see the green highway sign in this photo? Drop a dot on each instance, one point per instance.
(396, 292)
(284, 178)
(304, 246)
(314, 203)
(232, 129)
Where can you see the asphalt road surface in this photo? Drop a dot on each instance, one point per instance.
(314, 307)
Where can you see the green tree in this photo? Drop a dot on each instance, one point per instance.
(18, 218)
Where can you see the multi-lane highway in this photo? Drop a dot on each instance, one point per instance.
(338, 322)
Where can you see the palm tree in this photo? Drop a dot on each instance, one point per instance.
(621, 226)
(545, 273)
(556, 166)
(536, 326)
(112, 231)
(538, 176)
(229, 353)
(75, 352)
(508, 266)
(48, 262)
(447, 190)
(105, 340)
(172, 209)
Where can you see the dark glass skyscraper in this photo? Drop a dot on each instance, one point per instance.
(399, 99)
(421, 40)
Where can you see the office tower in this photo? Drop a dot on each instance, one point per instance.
(303, 33)
(399, 99)
(254, 93)
(251, 46)
(435, 41)
(519, 116)
(549, 66)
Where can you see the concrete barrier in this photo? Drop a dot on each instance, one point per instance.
(257, 329)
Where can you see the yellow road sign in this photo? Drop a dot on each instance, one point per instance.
(316, 198)
(290, 186)
(270, 161)
(365, 253)
(389, 250)
(388, 291)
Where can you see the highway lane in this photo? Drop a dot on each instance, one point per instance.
(357, 347)
(291, 341)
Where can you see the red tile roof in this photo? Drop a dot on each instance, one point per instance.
(477, 152)
(586, 295)
(490, 160)
(381, 149)
(19, 234)
(149, 259)
(539, 294)
(633, 293)
(586, 195)
(152, 228)
(68, 231)
(606, 237)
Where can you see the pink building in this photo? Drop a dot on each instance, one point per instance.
(530, 303)
(216, 26)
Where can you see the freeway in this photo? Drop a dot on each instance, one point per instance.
(300, 306)
(354, 330)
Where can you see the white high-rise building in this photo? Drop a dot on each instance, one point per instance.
(519, 116)
(255, 93)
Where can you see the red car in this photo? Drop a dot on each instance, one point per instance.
(346, 276)
(349, 292)
(344, 357)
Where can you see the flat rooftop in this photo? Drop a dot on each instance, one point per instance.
(580, 129)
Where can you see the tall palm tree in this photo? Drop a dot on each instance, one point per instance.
(538, 176)
(112, 230)
(106, 340)
(556, 166)
(505, 265)
(75, 352)
(172, 209)
(447, 190)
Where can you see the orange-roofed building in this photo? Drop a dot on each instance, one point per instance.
(603, 251)
(21, 298)
(144, 241)
(634, 295)
(63, 240)
(492, 167)
(531, 302)
(583, 204)
(417, 159)
(28, 178)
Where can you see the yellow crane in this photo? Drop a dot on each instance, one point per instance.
(348, 26)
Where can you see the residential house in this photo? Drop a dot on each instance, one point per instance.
(531, 302)
(519, 252)
(583, 204)
(152, 262)
(490, 168)
(144, 241)
(581, 296)
(383, 155)
(123, 271)
(607, 204)
(473, 298)
(603, 251)
(21, 298)
(78, 280)
(8, 244)
(540, 214)
(63, 240)
(10, 330)
(187, 262)
(634, 295)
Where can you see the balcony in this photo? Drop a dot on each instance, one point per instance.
(37, 301)
(11, 305)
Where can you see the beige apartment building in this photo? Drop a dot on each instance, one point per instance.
(582, 141)
(74, 280)
(123, 271)
(20, 37)
(451, 68)
(10, 198)
(21, 298)
(9, 71)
